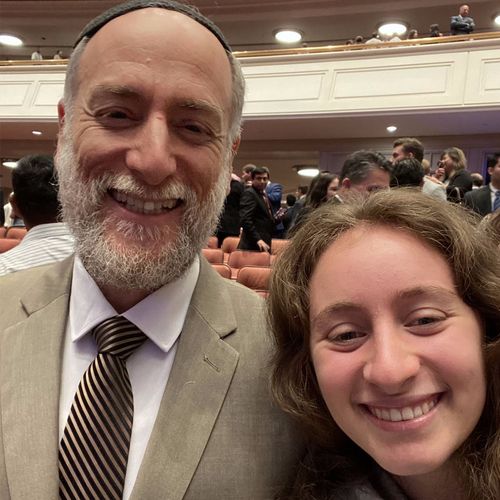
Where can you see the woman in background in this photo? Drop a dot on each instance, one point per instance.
(385, 315)
(321, 189)
(452, 171)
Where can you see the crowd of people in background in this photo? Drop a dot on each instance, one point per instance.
(253, 206)
(461, 24)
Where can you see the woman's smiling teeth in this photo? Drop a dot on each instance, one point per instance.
(406, 413)
(142, 206)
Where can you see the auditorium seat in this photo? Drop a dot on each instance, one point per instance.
(3, 230)
(223, 269)
(241, 258)
(278, 245)
(230, 244)
(212, 242)
(17, 233)
(8, 243)
(256, 278)
(213, 255)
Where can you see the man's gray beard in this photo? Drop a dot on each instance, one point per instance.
(140, 265)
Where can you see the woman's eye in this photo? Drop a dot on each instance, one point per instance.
(426, 321)
(345, 337)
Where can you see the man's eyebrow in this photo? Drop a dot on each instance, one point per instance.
(201, 105)
(101, 91)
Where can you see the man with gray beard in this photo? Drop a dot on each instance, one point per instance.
(133, 370)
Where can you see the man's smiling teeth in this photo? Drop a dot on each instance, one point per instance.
(406, 413)
(143, 207)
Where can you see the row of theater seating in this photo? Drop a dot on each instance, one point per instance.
(10, 237)
(251, 269)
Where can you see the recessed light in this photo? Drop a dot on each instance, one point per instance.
(9, 163)
(497, 20)
(307, 170)
(12, 40)
(36, 132)
(288, 36)
(392, 29)
(391, 129)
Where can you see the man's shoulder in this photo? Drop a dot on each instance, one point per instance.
(477, 193)
(37, 285)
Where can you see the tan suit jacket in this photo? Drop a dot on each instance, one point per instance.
(217, 436)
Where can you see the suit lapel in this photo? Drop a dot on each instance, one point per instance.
(200, 378)
(30, 373)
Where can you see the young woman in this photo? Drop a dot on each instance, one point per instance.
(386, 319)
(453, 172)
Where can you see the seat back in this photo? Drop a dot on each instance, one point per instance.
(230, 244)
(8, 243)
(223, 269)
(255, 277)
(16, 233)
(213, 255)
(277, 246)
(240, 258)
(212, 242)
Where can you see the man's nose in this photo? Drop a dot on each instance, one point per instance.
(151, 156)
(392, 361)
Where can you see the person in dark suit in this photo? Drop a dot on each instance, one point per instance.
(256, 215)
(487, 198)
(462, 24)
(229, 224)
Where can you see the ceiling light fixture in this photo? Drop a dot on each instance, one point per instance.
(9, 163)
(307, 170)
(288, 35)
(497, 20)
(36, 132)
(392, 29)
(391, 129)
(14, 41)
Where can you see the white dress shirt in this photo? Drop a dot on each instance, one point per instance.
(160, 316)
(42, 245)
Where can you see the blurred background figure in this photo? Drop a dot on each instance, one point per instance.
(486, 199)
(35, 200)
(434, 30)
(452, 171)
(37, 55)
(462, 24)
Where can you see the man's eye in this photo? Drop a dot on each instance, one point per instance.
(194, 128)
(119, 115)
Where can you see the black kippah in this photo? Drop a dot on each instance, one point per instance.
(118, 10)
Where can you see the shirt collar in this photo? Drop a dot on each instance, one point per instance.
(160, 316)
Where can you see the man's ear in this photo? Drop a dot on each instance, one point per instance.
(346, 183)
(236, 144)
(61, 114)
(15, 209)
(411, 155)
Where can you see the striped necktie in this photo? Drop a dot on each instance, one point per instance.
(94, 449)
(496, 201)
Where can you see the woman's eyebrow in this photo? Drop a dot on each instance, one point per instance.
(325, 314)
